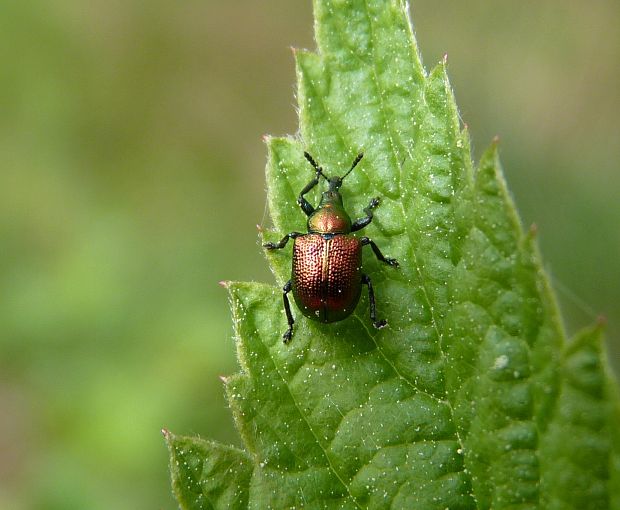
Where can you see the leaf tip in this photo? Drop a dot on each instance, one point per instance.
(444, 59)
(224, 379)
(266, 138)
(533, 230)
(166, 433)
(224, 283)
(496, 140)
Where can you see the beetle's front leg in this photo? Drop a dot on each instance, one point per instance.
(288, 334)
(371, 303)
(282, 242)
(377, 251)
(301, 200)
(362, 222)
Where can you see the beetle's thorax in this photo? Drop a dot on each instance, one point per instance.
(330, 216)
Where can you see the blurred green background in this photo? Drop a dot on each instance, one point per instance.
(131, 181)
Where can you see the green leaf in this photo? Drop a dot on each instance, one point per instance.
(582, 432)
(208, 475)
(471, 398)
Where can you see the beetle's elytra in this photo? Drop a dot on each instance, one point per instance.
(327, 272)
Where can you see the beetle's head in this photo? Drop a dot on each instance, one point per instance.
(330, 216)
(334, 184)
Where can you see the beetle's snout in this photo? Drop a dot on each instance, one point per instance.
(334, 183)
(331, 196)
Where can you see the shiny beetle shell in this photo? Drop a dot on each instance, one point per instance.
(326, 275)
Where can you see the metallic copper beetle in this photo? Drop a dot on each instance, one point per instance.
(327, 273)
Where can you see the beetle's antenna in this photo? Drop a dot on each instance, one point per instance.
(355, 162)
(318, 169)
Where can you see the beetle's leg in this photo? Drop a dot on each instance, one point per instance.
(371, 302)
(283, 241)
(362, 222)
(289, 316)
(375, 248)
(303, 203)
(306, 206)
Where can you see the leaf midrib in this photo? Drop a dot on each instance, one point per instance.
(332, 468)
(389, 130)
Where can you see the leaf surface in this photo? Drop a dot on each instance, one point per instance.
(468, 397)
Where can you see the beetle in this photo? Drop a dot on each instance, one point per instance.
(327, 272)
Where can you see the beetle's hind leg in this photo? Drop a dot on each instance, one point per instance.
(287, 308)
(371, 302)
